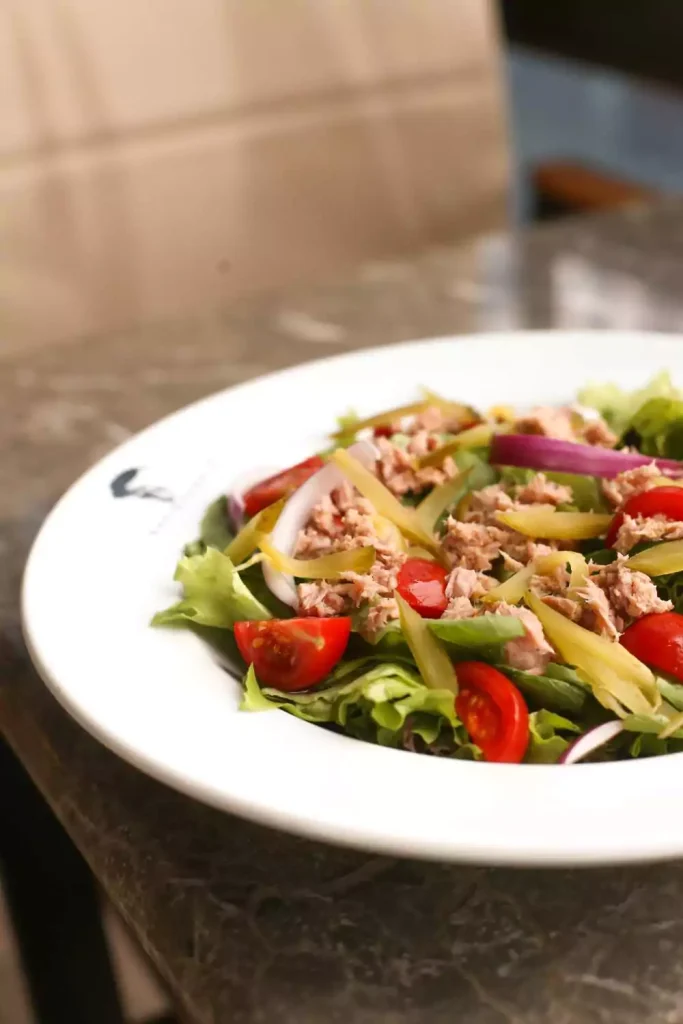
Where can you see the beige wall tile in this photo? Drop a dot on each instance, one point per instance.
(161, 155)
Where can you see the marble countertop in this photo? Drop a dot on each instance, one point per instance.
(250, 926)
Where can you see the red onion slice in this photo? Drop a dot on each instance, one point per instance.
(547, 453)
(296, 514)
(591, 741)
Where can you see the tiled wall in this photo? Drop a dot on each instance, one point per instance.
(161, 155)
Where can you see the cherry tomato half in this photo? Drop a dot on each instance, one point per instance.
(657, 640)
(280, 485)
(292, 654)
(493, 711)
(423, 585)
(660, 501)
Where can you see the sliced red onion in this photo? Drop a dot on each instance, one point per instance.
(532, 451)
(591, 741)
(296, 514)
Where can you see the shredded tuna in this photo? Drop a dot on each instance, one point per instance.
(531, 652)
(342, 522)
(597, 433)
(553, 583)
(464, 586)
(524, 550)
(565, 606)
(637, 530)
(566, 425)
(484, 504)
(468, 583)
(631, 482)
(459, 608)
(550, 422)
(397, 469)
(630, 594)
(321, 598)
(472, 545)
(541, 491)
(597, 614)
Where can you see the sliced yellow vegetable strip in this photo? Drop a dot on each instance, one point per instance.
(578, 567)
(260, 525)
(513, 589)
(659, 560)
(556, 525)
(430, 656)
(475, 437)
(382, 419)
(673, 725)
(324, 568)
(605, 665)
(440, 498)
(451, 409)
(454, 410)
(385, 503)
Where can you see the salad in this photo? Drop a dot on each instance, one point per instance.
(500, 586)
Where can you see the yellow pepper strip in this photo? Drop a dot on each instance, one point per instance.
(385, 503)
(451, 410)
(659, 560)
(475, 437)
(382, 419)
(440, 498)
(607, 666)
(389, 533)
(513, 589)
(324, 568)
(578, 566)
(430, 656)
(554, 525)
(673, 725)
(260, 525)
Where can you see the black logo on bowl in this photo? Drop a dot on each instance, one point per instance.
(122, 487)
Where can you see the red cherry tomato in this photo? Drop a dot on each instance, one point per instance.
(423, 585)
(493, 711)
(292, 654)
(383, 430)
(657, 640)
(280, 485)
(660, 501)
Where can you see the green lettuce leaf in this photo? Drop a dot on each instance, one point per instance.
(559, 689)
(546, 745)
(671, 690)
(483, 636)
(214, 531)
(619, 407)
(213, 594)
(657, 428)
(384, 703)
(647, 742)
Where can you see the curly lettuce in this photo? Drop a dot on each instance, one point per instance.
(549, 737)
(380, 702)
(213, 594)
(619, 407)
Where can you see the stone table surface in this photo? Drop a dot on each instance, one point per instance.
(249, 926)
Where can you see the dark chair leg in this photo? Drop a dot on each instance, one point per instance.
(54, 907)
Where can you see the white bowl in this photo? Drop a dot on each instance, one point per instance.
(102, 565)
